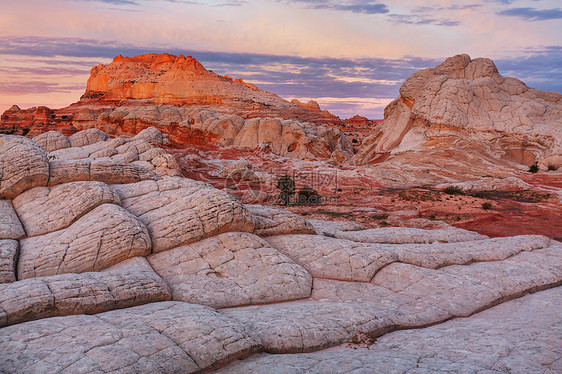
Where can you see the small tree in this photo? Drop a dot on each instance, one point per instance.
(286, 185)
(534, 168)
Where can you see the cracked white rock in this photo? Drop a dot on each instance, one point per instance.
(52, 140)
(87, 293)
(23, 165)
(8, 258)
(103, 237)
(165, 337)
(330, 258)
(101, 170)
(520, 336)
(10, 225)
(179, 211)
(231, 269)
(405, 235)
(47, 209)
(270, 221)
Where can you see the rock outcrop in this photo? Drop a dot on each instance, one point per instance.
(182, 99)
(463, 116)
(107, 266)
(180, 80)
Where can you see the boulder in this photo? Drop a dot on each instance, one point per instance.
(87, 137)
(52, 140)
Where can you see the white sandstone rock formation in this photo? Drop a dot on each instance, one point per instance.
(107, 266)
(462, 116)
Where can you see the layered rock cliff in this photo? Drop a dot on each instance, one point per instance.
(179, 80)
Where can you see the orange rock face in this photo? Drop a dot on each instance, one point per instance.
(183, 81)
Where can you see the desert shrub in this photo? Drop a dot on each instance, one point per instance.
(552, 167)
(486, 205)
(453, 190)
(534, 168)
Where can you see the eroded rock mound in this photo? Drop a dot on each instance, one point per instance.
(464, 107)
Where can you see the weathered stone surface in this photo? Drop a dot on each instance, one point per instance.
(404, 311)
(444, 254)
(304, 326)
(330, 258)
(464, 106)
(23, 165)
(103, 237)
(525, 272)
(179, 211)
(87, 293)
(10, 225)
(231, 269)
(329, 228)
(463, 290)
(107, 171)
(166, 337)
(87, 137)
(404, 235)
(52, 140)
(151, 135)
(270, 221)
(8, 257)
(47, 209)
(520, 336)
(458, 296)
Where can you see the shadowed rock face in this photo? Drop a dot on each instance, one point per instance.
(464, 109)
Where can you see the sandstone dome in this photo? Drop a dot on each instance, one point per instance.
(464, 107)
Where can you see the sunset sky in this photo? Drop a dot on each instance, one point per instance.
(351, 56)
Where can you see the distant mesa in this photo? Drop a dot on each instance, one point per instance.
(183, 81)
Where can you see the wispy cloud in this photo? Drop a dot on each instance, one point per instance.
(533, 14)
(355, 6)
(345, 85)
(35, 87)
(421, 19)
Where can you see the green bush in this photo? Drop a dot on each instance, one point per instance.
(552, 167)
(534, 168)
(453, 190)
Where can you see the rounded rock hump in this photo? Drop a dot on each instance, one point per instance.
(23, 165)
(464, 105)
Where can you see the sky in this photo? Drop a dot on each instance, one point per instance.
(351, 56)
